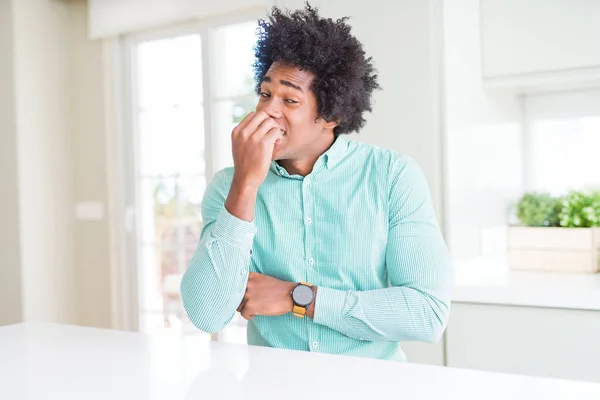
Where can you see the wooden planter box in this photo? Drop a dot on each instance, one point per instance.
(554, 249)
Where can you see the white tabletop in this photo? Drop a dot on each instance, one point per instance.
(44, 361)
(490, 281)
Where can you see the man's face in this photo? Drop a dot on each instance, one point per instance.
(286, 97)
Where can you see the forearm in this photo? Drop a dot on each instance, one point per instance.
(215, 281)
(241, 199)
(390, 314)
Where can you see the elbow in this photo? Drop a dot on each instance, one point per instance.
(439, 322)
(200, 316)
(198, 308)
(203, 324)
(435, 334)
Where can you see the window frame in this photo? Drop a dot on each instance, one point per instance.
(121, 86)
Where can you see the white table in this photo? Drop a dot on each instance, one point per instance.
(45, 361)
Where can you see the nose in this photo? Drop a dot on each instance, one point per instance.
(272, 107)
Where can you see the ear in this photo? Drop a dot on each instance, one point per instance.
(331, 124)
(328, 124)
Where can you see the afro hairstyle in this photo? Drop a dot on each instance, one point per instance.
(344, 76)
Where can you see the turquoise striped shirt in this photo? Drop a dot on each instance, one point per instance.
(360, 226)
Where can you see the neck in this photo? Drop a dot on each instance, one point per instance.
(304, 165)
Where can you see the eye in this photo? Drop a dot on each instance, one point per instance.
(290, 101)
(263, 94)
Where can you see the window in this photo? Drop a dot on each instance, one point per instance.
(188, 90)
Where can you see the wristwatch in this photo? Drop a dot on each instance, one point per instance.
(302, 296)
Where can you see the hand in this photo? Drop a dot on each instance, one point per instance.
(253, 141)
(267, 296)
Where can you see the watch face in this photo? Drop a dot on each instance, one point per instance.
(302, 295)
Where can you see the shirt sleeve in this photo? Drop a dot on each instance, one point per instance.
(215, 281)
(417, 304)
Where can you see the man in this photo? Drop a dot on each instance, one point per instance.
(323, 244)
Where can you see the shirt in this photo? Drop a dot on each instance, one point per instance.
(360, 226)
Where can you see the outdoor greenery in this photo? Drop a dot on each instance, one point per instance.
(577, 209)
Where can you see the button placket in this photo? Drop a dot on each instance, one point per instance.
(307, 203)
(309, 235)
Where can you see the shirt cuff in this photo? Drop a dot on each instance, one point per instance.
(231, 229)
(329, 307)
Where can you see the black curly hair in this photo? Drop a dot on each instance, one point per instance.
(344, 77)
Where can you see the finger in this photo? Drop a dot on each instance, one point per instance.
(246, 313)
(244, 122)
(241, 306)
(243, 303)
(265, 128)
(252, 125)
(272, 136)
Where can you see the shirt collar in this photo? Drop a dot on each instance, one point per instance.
(335, 153)
(331, 157)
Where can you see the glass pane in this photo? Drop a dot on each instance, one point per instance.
(191, 191)
(170, 72)
(566, 154)
(233, 58)
(172, 141)
(227, 114)
(160, 298)
(170, 170)
(154, 264)
(158, 203)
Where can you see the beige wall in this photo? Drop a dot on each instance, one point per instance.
(10, 263)
(88, 148)
(52, 155)
(41, 67)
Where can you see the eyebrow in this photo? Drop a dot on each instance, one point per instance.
(283, 82)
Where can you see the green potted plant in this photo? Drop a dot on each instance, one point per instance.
(556, 233)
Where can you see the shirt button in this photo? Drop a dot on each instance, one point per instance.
(250, 235)
(307, 180)
(311, 261)
(243, 272)
(315, 344)
(308, 221)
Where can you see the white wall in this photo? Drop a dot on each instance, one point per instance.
(482, 137)
(41, 69)
(10, 263)
(539, 37)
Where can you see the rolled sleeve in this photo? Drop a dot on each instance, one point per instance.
(234, 231)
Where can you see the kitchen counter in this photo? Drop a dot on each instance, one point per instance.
(46, 361)
(490, 281)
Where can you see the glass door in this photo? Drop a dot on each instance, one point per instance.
(170, 173)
